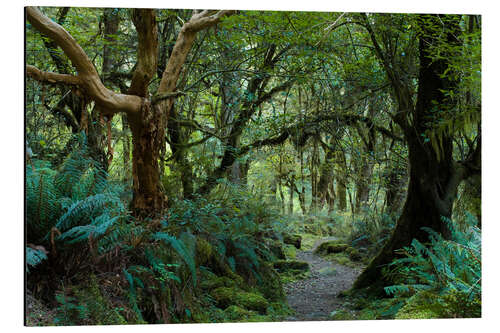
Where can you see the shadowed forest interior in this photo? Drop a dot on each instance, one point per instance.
(207, 166)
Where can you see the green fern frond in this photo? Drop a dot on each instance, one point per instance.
(184, 253)
(34, 257)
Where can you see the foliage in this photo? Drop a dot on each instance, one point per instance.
(71, 204)
(450, 268)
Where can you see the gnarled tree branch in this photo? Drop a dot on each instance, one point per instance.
(89, 81)
(51, 77)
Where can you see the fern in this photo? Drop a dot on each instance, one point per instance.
(34, 257)
(182, 250)
(42, 200)
(443, 265)
(82, 212)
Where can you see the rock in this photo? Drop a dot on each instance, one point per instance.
(236, 313)
(354, 254)
(331, 247)
(284, 265)
(253, 301)
(277, 250)
(270, 285)
(294, 240)
(217, 282)
(225, 297)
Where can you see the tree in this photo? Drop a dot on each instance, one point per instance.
(434, 174)
(148, 117)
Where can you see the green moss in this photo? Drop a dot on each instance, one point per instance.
(286, 265)
(331, 247)
(294, 240)
(276, 248)
(328, 271)
(354, 254)
(270, 284)
(88, 306)
(216, 282)
(290, 252)
(420, 306)
(426, 305)
(225, 297)
(252, 301)
(342, 315)
(204, 252)
(236, 313)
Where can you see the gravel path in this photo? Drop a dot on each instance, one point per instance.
(315, 298)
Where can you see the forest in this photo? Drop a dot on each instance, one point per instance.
(213, 166)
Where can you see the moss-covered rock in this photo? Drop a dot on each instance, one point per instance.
(270, 283)
(354, 254)
(331, 247)
(236, 313)
(276, 248)
(420, 306)
(286, 265)
(252, 301)
(217, 282)
(225, 297)
(290, 251)
(294, 240)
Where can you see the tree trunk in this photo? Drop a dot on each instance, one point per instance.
(434, 177)
(290, 197)
(126, 148)
(395, 189)
(325, 180)
(341, 181)
(148, 137)
(363, 185)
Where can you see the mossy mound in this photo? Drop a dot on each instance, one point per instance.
(225, 297)
(270, 283)
(215, 281)
(236, 313)
(354, 254)
(295, 240)
(290, 252)
(420, 306)
(331, 247)
(276, 248)
(88, 305)
(287, 265)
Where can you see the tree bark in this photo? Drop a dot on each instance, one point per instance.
(434, 176)
(341, 181)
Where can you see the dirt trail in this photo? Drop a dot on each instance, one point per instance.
(315, 298)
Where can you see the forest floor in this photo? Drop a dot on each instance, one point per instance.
(314, 298)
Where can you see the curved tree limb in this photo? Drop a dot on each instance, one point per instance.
(51, 77)
(183, 44)
(89, 80)
(147, 51)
